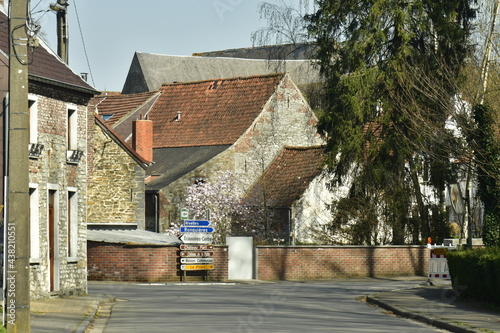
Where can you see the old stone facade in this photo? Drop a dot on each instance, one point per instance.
(58, 190)
(286, 119)
(116, 180)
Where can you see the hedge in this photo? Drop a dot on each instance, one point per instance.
(475, 274)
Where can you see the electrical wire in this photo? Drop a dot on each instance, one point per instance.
(39, 2)
(83, 43)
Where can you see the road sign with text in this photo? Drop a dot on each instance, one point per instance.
(196, 223)
(197, 229)
(196, 267)
(197, 238)
(197, 260)
(197, 253)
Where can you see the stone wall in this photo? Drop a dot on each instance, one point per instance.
(116, 183)
(52, 175)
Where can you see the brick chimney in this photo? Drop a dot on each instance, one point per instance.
(142, 138)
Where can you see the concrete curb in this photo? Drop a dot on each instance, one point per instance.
(91, 314)
(372, 299)
(94, 307)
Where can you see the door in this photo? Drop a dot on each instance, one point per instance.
(241, 259)
(52, 234)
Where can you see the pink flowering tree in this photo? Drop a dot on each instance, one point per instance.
(218, 200)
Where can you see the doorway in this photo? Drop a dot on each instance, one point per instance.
(53, 242)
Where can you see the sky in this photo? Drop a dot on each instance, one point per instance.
(114, 30)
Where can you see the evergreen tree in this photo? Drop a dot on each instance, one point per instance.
(488, 152)
(391, 70)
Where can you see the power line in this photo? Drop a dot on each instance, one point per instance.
(83, 43)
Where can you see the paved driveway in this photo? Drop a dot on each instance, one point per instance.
(270, 307)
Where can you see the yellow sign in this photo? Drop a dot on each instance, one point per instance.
(196, 267)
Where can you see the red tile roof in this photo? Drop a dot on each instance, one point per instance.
(214, 112)
(120, 105)
(44, 64)
(287, 177)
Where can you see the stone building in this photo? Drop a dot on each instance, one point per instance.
(58, 100)
(294, 190)
(116, 174)
(236, 124)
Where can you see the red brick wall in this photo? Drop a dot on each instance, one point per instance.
(305, 262)
(120, 262)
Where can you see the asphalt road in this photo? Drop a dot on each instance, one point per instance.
(332, 306)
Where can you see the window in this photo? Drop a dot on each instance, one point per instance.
(107, 116)
(72, 129)
(33, 118)
(35, 148)
(72, 223)
(34, 223)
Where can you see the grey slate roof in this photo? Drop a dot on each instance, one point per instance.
(149, 71)
(132, 237)
(173, 163)
(300, 51)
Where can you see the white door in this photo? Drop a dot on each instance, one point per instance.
(241, 262)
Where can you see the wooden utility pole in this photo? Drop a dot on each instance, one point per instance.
(17, 274)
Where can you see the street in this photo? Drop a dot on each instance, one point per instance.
(331, 306)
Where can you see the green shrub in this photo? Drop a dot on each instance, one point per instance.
(475, 274)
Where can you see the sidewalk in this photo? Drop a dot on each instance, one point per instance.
(64, 315)
(438, 306)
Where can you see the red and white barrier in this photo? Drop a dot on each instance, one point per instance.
(438, 264)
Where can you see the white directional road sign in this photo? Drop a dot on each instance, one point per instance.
(197, 260)
(197, 238)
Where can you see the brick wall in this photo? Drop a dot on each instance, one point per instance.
(305, 262)
(120, 262)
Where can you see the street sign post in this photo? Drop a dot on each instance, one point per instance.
(197, 238)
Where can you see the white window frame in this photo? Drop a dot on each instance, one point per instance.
(34, 223)
(33, 118)
(72, 127)
(72, 224)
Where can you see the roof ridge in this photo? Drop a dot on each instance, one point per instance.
(226, 79)
(304, 147)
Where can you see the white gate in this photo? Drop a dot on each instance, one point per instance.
(241, 262)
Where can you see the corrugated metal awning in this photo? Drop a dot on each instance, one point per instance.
(132, 237)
